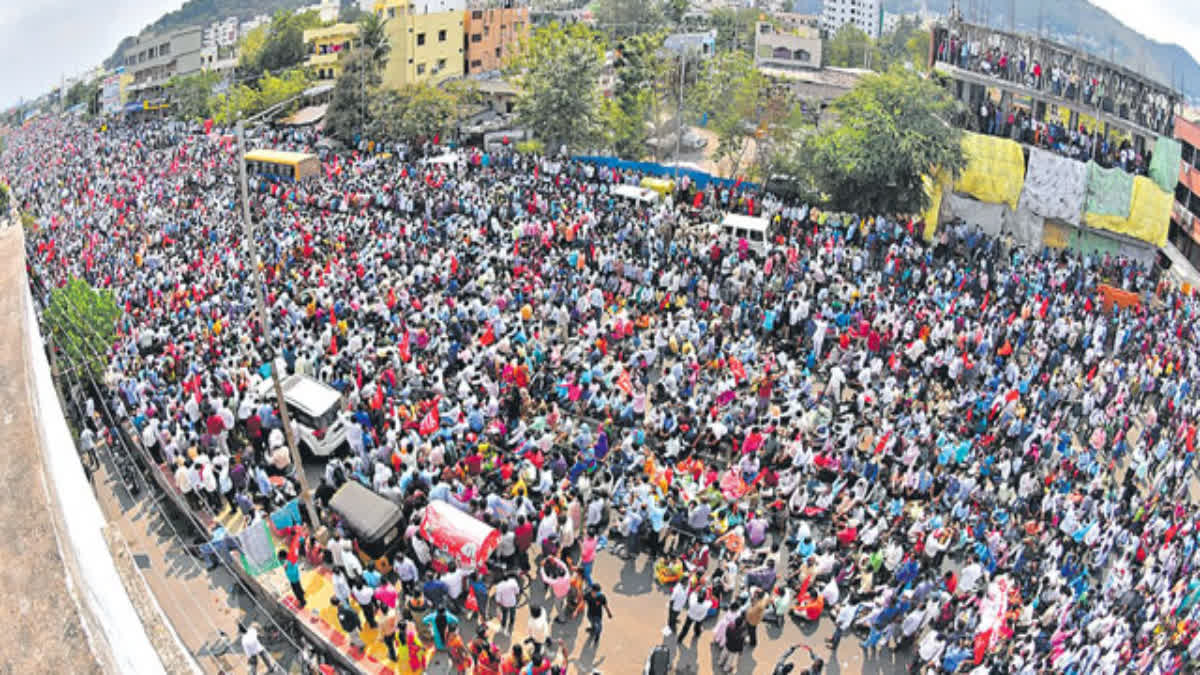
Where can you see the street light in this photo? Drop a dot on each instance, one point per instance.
(264, 316)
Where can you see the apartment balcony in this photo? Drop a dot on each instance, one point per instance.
(318, 60)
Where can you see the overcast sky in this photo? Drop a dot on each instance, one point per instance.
(46, 39)
(1169, 21)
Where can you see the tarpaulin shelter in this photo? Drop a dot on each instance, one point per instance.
(458, 533)
(1164, 165)
(1148, 217)
(1055, 187)
(995, 170)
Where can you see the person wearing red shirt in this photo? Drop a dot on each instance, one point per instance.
(524, 539)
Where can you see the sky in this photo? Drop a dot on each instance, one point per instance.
(1167, 21)
(47, 39)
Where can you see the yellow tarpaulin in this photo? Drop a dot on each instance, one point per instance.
(995, 170)
(935, 192)
(1149, 214)
(663, 187)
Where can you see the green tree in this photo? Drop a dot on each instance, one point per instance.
(735, 28)
(244, 101)
(280, 45)
(191, 95)
(348, 112)
(891, 130)
(413, 112)
(622, 18)
(850, 47)
(907, 44)
(731, 91)
(639, 67)
(349, 105)
(83, 323)
(557, 72)
(675, 9)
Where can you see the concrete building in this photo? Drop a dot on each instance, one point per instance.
(787, 51)
(218, 59)
(801, 23)
(250, 24)
(426, 40)
(326, 9)
(491, 34)
(701, 45)
(1185, 214)
(327, 47)
(221, 33)
(153, 59)
(866, 14)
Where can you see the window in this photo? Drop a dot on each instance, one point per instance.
(802, 55)
(477, 63)
(420, 39)
(164, 49)
(441, 36)
(441, 64)
(151, 52)
(476, 37)
(1181, 193)
(498, 52)
(391, 12)
(477, 14)
(1188, 152)
(420, 68)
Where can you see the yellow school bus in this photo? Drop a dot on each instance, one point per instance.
(280, 165)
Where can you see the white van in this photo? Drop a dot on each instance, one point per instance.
(754, 230)
(637, 195)
(316, 409)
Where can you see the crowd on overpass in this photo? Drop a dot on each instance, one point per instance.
(953, 449)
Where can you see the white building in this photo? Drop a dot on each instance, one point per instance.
(866, 14)
(251, 24)
(326, 9)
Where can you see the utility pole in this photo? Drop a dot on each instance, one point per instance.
(1012, 16)
(679, 110)
(265, 319)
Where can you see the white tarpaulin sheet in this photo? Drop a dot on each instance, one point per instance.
(1055, 187)
(1026, 227)
(989, 217)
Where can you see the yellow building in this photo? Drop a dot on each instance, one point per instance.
(327, 47)
(425, 38)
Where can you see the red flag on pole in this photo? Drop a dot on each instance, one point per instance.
(735, 366)
(625, 382)
(431, 421)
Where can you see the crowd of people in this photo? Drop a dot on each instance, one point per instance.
(1056, 70)
(952, 449)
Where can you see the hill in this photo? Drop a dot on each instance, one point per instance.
(1077, 23)
(205, 12)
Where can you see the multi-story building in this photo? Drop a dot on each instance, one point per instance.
(777, 49)
(492, 32)
(250, 24)
(214, 58)
(425, 40)
(1185, 214)
(221, 33)
(866, 14)
(153, 59)
(328, 46)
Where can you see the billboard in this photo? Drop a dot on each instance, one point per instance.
(110, 95)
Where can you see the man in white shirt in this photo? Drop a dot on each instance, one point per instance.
(505, 593)
(677, 603)
(253, 648)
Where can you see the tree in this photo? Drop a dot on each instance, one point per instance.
(622, 18)
(415, 111)
(83, 323)
(280, 45)
(675, 9)
(347, 115)
(191, 95)
(557, 72)
(270, 90)
(850, 48)
(891, 130)
(735, 28)
(731, 90)
(639, 66)
(907, 45)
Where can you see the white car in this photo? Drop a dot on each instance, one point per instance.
(316, 408)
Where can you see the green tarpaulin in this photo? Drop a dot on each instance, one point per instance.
(1164, 166)
(1109, 191)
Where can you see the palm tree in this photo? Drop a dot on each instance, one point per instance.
(374, 39)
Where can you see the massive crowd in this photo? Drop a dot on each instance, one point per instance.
(952, 449)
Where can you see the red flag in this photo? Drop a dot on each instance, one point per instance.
(332, 317)
(986, 297)
(735, 366)
(1045, 308)
(489, 336)
(698, 201)
(882, 442)
(1091, 374)
(358, 376)
(431, 421)
(535, 171)
(625, 382)
(391, 298)
(437, 138)
(405, 354)
(333, 345)
(737, 183)
(377, 399)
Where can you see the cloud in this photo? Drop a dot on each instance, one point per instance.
(45, 41)
(1168, 21)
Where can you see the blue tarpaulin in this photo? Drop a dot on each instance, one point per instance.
(701, 178)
